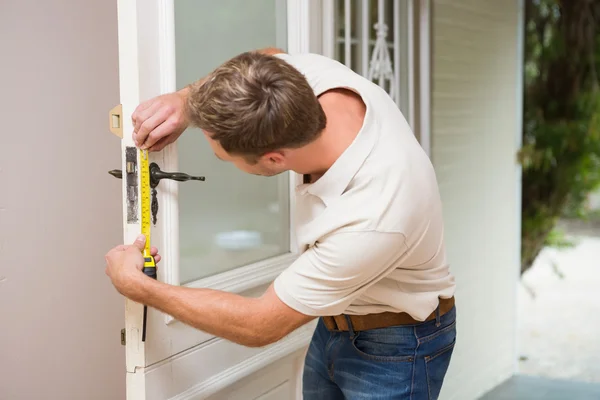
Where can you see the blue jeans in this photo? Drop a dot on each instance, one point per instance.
(402, 362)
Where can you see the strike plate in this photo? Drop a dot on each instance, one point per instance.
(115, 122)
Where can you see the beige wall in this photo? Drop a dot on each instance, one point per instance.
(475, 119)
(59, 209)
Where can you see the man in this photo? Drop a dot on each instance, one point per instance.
(369, 224)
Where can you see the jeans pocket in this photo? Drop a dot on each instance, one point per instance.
(443, 330)
(436, 366)
(381, 348)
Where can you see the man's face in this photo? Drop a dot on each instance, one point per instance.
(268, 165)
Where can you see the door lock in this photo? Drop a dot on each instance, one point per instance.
(156, 175)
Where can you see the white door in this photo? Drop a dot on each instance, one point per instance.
(231, 232)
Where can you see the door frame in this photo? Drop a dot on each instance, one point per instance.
(137, 21)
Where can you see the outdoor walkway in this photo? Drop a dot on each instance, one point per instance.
(523, 387)
(559, 324)
(559, 312)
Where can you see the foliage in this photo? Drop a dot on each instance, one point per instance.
(558, 239)
(561, 117)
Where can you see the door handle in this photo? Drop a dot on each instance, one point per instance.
(156, 175)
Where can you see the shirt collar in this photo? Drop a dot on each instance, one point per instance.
(337, 178)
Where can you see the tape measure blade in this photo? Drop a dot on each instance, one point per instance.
(145, 198)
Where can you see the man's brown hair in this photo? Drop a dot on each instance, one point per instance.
(256, 103)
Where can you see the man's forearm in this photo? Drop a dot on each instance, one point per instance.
(227, 315)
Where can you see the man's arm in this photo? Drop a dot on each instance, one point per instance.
(322, 281)
(161, 120)
(252, 322)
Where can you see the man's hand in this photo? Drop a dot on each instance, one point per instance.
(248, 321)
(124, 265)
(160, 121)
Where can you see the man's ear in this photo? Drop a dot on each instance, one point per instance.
(273, 158)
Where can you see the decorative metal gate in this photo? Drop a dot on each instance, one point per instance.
(386, 41)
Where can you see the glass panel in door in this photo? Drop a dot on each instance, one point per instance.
(232, 219)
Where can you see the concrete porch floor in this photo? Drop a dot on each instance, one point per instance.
(523, 387)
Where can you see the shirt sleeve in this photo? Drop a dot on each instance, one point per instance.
(328, 276)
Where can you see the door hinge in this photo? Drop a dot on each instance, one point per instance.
(123, 341)
(115, 123)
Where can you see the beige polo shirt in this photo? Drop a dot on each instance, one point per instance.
(371, 227)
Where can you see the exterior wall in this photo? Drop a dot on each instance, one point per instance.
(60, 211)
(476, 117)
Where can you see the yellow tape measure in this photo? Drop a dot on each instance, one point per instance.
(145, 199)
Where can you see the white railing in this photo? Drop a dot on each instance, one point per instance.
(366, 36)
(388, 42)
(381, 67)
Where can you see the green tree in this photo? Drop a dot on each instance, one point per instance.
(561, 119)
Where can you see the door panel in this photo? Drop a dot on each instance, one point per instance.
(205, 373)
(163, 45)
(275, 382)
(233, 219)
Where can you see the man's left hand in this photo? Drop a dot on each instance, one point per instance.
(124, 265)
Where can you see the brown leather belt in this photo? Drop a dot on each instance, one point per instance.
(382, 320)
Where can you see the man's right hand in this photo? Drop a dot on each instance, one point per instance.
(160, 121)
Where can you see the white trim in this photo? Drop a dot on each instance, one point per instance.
(129, 95)
(298, 42)
(411, 63)
(298, 22)
(247, 277)
(169, 190)
(347, 33)
(381, 23)
(166, 44)
(135, 385)
(397, 50)
(193, 360)
(518, 168)
(286, 189)
(365, 37)
(244, 278)
(295, 181)
(425, 76)
(329, 35)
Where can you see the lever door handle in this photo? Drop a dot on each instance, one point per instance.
(156, 175)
